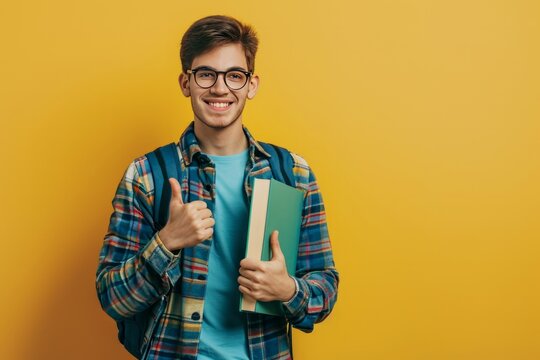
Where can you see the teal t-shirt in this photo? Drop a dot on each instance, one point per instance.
(223, 333)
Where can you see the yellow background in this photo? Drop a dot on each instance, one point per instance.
(420, 119)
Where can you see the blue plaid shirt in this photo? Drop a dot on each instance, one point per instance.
(137, 273)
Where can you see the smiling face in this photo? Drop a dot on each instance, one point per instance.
(219, 107)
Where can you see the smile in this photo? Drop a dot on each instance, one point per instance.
(220, 106)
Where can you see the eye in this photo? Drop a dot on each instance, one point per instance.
(205, 74)
(236, 76)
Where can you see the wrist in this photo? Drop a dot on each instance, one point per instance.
(291, 290)
(164, 238)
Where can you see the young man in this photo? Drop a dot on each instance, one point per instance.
(175, 291)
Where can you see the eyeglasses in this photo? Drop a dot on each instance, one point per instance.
(206, 78)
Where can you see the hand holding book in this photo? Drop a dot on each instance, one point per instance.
(267, 280)
(274, 206)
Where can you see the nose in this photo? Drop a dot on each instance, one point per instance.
(220, 87)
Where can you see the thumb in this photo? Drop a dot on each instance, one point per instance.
(176, 191)
(277, 254)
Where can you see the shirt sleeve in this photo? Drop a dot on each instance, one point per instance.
(296, 289)
(316, 274)
(135, 268)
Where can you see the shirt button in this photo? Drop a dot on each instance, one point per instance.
(208, 187)
(195, 316)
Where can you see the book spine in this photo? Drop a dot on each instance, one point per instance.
(261, 191)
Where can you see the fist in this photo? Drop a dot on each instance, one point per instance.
(188, 224)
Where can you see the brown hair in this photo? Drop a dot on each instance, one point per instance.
(212, 31)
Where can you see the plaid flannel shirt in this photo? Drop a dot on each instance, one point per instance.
(136, 272)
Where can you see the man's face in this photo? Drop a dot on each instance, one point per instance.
(218, 106)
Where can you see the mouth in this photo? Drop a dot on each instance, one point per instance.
(218, 106)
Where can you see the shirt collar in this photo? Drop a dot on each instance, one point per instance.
(189, 145)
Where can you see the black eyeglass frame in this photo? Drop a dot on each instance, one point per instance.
(194, 72)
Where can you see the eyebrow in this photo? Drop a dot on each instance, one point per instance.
(205, 67)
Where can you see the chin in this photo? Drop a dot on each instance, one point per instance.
(217, 123)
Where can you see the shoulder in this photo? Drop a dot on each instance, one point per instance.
(141, 170)
(140, 174)
(300, 166)
(301, 169)
(299, 161)
(137, 175)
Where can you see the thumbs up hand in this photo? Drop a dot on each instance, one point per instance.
(267, 280)
(188, 224)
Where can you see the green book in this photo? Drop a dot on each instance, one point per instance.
(274, 206)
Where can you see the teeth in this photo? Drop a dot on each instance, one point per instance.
(220, 105)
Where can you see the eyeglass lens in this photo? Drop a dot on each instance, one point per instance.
(233, 79)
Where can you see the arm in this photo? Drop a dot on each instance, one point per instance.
(135, 268)
(316, 275)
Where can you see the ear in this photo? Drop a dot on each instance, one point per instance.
(183, 80)
(253, 86)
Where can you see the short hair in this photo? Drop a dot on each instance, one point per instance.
(212, 31)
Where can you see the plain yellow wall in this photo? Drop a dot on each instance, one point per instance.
(420, 118)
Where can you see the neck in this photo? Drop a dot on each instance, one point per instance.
(229, 140)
